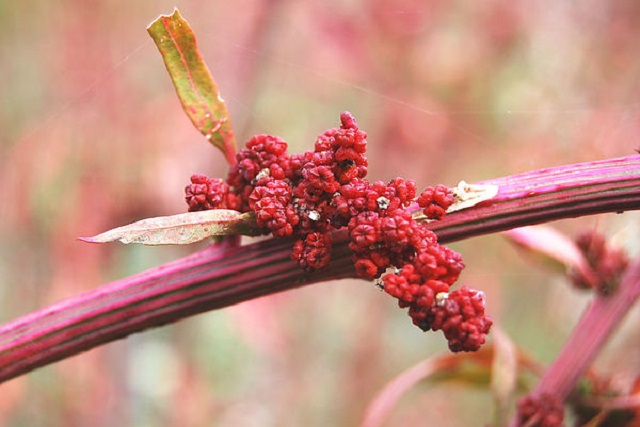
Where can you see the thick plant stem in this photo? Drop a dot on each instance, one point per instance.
(225, 275)
(548, 194)
(219, 276)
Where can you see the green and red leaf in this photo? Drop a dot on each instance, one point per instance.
(194, 84)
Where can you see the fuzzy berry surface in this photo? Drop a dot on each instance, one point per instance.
(307, 196)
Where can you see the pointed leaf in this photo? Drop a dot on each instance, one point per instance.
(181, 229)
(196, 88)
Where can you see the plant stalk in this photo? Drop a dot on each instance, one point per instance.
(591, 333)
(223, 275)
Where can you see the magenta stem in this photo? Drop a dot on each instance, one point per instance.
(592, 331)
(549, 194)
(219, 276)
(224, 275)
(589, 336)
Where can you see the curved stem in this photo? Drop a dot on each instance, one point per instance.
(224, 275)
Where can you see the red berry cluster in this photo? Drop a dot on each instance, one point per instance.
(435, 201)
(460, 316)
(543, 411)
(309, 195)
(206, 193)
(264, 156)
(312, 252)
(271, 203)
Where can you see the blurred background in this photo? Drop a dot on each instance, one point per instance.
(92, 136)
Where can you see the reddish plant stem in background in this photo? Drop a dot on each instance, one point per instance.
(594, 328)
(589, 336)
(225, 275)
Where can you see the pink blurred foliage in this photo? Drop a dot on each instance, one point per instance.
(92, 136)
(547, 246)
(256, 322)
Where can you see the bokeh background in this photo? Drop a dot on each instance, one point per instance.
(92, 136)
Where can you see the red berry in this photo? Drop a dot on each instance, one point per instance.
(397, 229)
(439, 262)
(271, 203)
(320, 178)
(435, 201)
(460, 315)
(347, 121)
(364, 230)
(206, 193)
(313, 251)
(264, 156)
(405, 190)
(344, 149)
(366, 268)
(349, 200)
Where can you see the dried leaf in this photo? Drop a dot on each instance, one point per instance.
(181, 229)
(468, 195)
(465, 196)
(196, 88)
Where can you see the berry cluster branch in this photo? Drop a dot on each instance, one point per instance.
(224, 274)
(312, 195)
